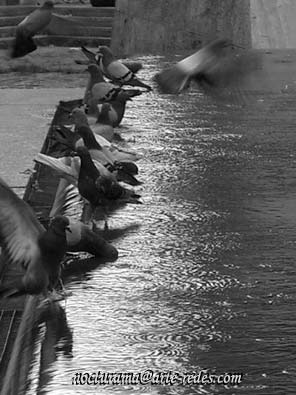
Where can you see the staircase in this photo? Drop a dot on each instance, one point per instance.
(70, 26)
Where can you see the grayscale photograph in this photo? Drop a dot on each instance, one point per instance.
(147, 196)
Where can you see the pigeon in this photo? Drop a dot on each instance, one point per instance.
(99, 190)
(38, 252)
(103, 91)
(29, 27)
(95, 75)
(115, 70)
(79, 118)
(73, 139)
(112, 112)
(134, 67)
(125, 171)
(112, 159)
(82, 237)
(215, 67)
(68, 167)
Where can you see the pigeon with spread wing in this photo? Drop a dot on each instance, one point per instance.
(25, 31)
(37, 252)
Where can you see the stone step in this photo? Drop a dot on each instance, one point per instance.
(11, 20)
(90, 31)
(61, 41)
(9, 2)
(73, 41)
(17, 10)
(84, 20)
(7, 31)
(99, 21)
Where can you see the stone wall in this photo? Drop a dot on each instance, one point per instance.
(273, 23)
(159, 26)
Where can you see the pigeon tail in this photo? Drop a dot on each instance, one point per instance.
(22, 45)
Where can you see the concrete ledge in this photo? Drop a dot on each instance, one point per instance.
(19, 364)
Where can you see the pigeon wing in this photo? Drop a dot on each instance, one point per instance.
(19, 227)
(118, 71)
(36, 21)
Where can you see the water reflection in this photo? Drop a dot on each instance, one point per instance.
(55, 340)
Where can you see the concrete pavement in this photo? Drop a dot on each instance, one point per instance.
(25, 118)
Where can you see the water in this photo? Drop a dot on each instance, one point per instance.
(206, 271)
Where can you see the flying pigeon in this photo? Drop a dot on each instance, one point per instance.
(216, 67)
(37, 251)
(25, 31)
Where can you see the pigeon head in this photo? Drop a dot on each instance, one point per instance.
(105, 108)
(95, 72)
(123, 97)
(78, 116)
(106, 53)
(48, 4)
(60, 224)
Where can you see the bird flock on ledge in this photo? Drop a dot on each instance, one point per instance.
(92, 160)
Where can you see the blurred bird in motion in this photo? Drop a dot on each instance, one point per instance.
(37, 252)
(216, 68)
(25, 31)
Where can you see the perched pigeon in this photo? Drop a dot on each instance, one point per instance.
(82, 237)
(37, 251)
(103, 129)
(68, 167)
(134, 67)
(115, 70)
(112, 112)
(105, 91)
(124, 171)
(29, 27)
(97, 189)
(217, 66)
(94, 76)
(72, 140)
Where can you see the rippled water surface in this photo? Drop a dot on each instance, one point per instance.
(206, 273)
